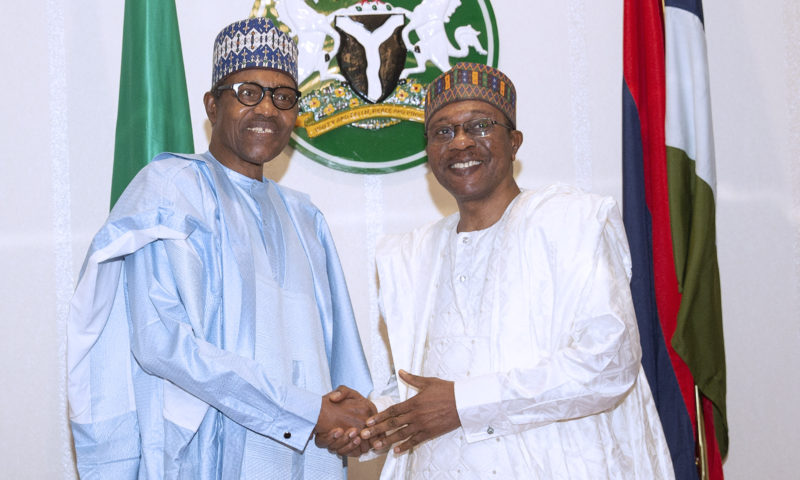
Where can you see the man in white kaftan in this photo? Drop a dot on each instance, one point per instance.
(212, 318)
(532, 319)
(515, 314)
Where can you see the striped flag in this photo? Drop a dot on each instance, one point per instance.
(153, 114)
(698, 335)
(668, 198)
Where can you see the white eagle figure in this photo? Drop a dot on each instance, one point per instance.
(428, 20)
(311, 29)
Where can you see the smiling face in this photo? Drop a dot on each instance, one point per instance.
(245, 138)
(474, 169)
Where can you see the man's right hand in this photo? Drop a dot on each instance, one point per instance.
(342, 416)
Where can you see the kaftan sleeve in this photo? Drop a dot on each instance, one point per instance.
(167, 339)
(348, 364)
(597, 357)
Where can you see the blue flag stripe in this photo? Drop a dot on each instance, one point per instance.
(692, 6)
(655, 358)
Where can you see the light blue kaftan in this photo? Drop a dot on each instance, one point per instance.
(210, 317)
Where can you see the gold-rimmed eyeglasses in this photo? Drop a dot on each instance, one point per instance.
(478, 127)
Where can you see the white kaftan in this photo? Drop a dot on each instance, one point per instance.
(552, 386)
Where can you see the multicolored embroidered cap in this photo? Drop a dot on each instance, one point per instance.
(472, 81)
(253, 43)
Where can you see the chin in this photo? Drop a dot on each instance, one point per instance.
(262, 158)
(462, 195)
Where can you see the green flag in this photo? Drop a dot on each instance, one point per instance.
(153, 114)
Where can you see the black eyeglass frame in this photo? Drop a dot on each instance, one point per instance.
(474, 121)
(234, 87)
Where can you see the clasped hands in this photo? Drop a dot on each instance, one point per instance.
(359, 427)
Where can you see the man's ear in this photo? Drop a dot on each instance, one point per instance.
(210, 101)
(516, 140)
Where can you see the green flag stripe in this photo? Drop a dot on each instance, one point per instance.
(698, 337)
(153, 114)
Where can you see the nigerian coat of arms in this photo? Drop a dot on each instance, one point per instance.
(363, 69)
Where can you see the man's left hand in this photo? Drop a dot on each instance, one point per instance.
(428, 414)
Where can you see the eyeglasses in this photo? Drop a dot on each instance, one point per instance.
(479, 127)
(251, 94)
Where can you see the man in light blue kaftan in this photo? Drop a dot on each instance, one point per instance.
(212, 316)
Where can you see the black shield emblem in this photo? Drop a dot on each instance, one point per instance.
(372, 53)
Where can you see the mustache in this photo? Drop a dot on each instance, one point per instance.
(263, 121)
(463, 156)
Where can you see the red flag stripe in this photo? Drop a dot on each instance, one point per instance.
(644, 39)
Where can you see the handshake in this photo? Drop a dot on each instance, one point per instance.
(350, 425)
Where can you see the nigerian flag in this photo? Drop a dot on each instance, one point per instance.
(153, 114)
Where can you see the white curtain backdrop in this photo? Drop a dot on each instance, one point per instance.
(61, 63)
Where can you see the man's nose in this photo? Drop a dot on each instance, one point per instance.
(265, 106)
(461, 139)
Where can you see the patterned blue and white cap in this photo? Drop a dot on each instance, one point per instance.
(253, 43)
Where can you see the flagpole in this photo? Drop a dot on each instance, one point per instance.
(702, 446)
